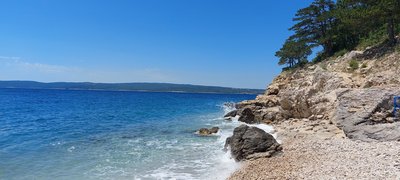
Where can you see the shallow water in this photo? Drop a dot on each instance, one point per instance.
(60, 134)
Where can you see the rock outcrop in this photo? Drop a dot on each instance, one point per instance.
(356, 101)
(366, 114)
(207, 132)
(247, 116)
(231, 114)
(251, 143)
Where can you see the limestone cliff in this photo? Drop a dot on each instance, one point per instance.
(356, 100)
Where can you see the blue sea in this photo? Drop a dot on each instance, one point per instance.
(67, 134)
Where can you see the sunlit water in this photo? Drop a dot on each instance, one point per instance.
(60, 134)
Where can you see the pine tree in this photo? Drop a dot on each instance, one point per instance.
(388, 12)
(293, 52)
(314, 25)
(366, 16)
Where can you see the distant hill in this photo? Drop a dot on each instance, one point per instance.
(148, 87)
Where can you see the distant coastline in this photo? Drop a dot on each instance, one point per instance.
(134, 87)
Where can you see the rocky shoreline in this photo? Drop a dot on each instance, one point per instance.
(334, 122)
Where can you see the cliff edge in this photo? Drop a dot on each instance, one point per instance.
(334, 118)
(357, 99)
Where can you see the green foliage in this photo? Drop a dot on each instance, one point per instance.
(397, 48)
(293, 53)
(324, 66)
(373, 38)
(340, 53)
(353, 64)
(319, 57)
(365, 16)
(314, 24)
(364, 65)
(338, 26)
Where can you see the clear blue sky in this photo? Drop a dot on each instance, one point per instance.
(209, 42)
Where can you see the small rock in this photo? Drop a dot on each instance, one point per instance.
(311, 67)
(352, 110)
(272, 90)
(214, 130)
(231, 114)
(204, 132)
(310, 128)
(325, 122)
(228, 118)
(391, 119)
(207, 132)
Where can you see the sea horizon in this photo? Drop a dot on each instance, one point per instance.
(64, 134)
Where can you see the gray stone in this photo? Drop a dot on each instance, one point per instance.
(247, 141)
(368, 124)
(214, 130)
(207, 132)
(247, 116)
(231, 114)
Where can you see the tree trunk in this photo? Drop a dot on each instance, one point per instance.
(328, 48)
(390, 31)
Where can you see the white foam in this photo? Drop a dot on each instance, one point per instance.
(70, 149)
(214, 163)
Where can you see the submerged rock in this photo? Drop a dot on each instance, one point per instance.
(231, 114)
(214, 130)
(251, 142)
(230, 105)
(207, 132)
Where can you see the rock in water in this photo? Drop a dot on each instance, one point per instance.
(231, 114)
(214, 130)
(230, 105)
(206, 132)
(247, 116)
(246, 142)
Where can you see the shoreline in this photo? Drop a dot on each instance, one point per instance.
(317, 154)
(334, 122)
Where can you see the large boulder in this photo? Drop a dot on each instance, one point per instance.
(247, 116)
(251, 142)
(365, 114)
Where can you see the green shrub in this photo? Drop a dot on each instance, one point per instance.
(364, 65)
(375, 37)
(324, 66)
(340, 53)
(397, 48)
(319, 57)
(353, 64)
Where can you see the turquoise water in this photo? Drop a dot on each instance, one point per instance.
(60, 134)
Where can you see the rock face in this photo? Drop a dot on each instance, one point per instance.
(356, 101)
(207, 132)
(366, 114)
(247, 116)
(251, 142)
